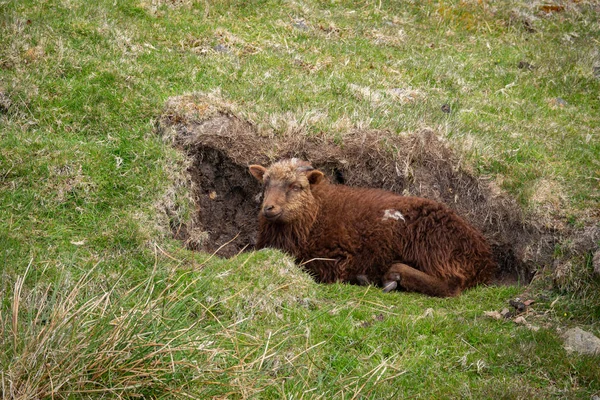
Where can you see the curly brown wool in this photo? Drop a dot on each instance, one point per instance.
(357, 235)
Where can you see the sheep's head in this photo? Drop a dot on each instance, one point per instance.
(287, 189)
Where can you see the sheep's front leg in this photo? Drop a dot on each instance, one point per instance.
(414, 280)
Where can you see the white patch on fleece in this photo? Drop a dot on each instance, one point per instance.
(393, 214)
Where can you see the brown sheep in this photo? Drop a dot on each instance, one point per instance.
(356, 235)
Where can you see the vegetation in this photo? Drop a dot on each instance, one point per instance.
(99, 301)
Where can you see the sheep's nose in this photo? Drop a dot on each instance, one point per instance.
(271, 211)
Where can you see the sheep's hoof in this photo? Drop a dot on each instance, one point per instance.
(388, 286)
(363, 280)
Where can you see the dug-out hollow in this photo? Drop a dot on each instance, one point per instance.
(220, 146)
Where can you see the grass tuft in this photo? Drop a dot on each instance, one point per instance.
(67, 343)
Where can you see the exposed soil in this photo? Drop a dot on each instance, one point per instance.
(221, 146)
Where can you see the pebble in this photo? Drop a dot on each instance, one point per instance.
(301, 25)
(579, 341)
(221, 49)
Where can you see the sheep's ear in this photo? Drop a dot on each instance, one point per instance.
(257, 171)
(314, 176)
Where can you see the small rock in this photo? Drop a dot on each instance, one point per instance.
(558, 102)
(579, 341)
(596, 263)
(520, 321)
(301, 25)
(493, 314)
(446, 108)
(219, 48)
(505, 313)
(561, 102)
(518, 305)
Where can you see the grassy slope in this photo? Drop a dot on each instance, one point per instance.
(80, 171)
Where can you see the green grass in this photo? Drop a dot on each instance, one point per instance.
(81, 172)
(239, 328)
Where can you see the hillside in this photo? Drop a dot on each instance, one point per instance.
(116, 285)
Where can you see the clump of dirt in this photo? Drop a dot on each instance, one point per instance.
(222, 145)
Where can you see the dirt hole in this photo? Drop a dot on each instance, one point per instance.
(220, 146)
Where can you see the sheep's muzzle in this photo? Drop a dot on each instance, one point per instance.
(271, 212)
(274, 202)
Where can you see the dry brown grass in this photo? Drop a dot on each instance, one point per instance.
(65, 343)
